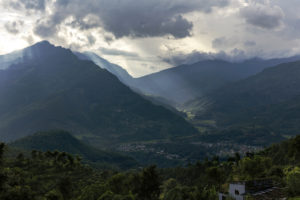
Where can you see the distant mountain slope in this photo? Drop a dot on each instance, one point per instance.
(282, 118)
(179, 86)
(126, 78)
(273, 85)
(270, 99)
(65, 142)
(13, 58)
(118, 71)
(55, 90)
(187, 82)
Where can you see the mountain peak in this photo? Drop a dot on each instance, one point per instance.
(42, 44)
(41, 50)
(45, 50)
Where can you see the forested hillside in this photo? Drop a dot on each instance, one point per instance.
(59, 140)
(58, 175)
(261, 109)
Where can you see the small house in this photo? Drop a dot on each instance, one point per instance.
(257, 189)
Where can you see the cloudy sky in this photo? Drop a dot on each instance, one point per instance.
(145, 36)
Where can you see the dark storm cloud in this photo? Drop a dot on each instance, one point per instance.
(88, 22)
(27, 4)
(13, 27)
(182, 58)
(132, 18)
(45, 29)
(236, 55)
(116, 52)
(148, 26)
(263, 16)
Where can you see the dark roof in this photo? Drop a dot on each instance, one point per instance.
(269, 194)
(254, 186)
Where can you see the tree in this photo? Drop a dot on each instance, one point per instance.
(293, 182)
(2, 175)
(65, 187)
(2, 146)
(216, 175)
(169, 185)
(276, 171)
(118, 184)
(208, 194)
(174, 194)
(54, 195)
(108, 195)
(92, 192)
(237, 157)
(150, 184)
(255, 167)
(18, 192)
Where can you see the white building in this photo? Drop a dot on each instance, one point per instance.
(236, 190)
(256, 189)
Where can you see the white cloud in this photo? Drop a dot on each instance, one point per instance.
(141, 34)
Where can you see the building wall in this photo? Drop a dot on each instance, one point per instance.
(236, 197)
(237, 187)
(239, 197)
(222, 196)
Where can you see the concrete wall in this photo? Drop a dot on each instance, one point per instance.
(240, 187)
(221, 195)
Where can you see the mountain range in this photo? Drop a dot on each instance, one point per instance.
(179, 85)
(243, 101)
(227, 106)
(265, 105)
(53, 89)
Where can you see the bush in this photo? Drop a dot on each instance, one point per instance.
(293, 182)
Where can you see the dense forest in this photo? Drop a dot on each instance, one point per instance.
(54, 175)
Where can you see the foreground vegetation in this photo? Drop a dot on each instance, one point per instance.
(60, 176)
